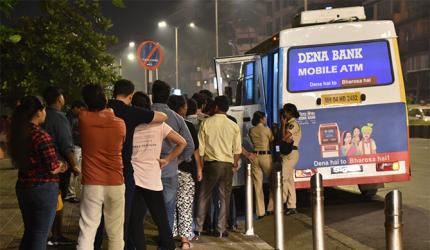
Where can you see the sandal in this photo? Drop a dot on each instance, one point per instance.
(185, 245)
(196, 236)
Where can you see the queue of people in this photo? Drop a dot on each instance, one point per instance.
(174, 157)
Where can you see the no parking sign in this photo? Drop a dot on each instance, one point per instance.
(150, 55)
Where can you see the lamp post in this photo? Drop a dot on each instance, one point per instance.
(163, 24)
(176, 58)
(216, 28)
(130, 56)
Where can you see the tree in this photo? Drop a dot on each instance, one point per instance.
(66, 46)
(8, 34)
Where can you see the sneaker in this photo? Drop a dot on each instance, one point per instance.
(232, 228)
(51, 242)
(290, 211)
(63, 241)
(220, 235)
(75, 200)
(72, 199)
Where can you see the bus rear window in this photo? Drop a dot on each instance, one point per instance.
(336, 66)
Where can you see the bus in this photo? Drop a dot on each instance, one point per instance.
(344, 75)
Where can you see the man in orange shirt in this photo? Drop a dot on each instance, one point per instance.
(102, 136)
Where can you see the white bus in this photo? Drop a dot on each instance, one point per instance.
(344, 76)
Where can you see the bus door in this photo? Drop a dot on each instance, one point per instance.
(272, 72)
(240, 79)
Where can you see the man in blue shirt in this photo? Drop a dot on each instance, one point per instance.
(58, 127)
(75, 180)
(169, 177)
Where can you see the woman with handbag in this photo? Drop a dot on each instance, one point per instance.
(291, 135)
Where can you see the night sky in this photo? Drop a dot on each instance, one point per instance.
(138, 18)
(138, 22)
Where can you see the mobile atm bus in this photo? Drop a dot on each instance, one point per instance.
(344, 75)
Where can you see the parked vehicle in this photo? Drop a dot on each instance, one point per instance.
(345, 77)
(419, 113)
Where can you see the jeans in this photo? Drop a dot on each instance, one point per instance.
(129, 194)
(75, 181)
(38, 205)
(98, 241)
(232, 215)
(170, 188)
(64, 183)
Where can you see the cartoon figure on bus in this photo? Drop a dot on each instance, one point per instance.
(367, 144)
(356, 135)
(347, 148)
(356, 139)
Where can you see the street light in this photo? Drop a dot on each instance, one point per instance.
(130, 56)
(131, 44)
(163, 24)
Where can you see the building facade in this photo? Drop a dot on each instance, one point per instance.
(412, 21)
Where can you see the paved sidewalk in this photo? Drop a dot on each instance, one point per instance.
(11, 226)
(298, 228)
(298, 234)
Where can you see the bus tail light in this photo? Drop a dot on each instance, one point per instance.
(306, 173)
(387, 166)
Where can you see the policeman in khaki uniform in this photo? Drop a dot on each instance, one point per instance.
(291, 132)
(261, 136)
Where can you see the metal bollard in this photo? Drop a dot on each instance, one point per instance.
(279, 218)
(393, 220)
(317, 200)
(249, 228)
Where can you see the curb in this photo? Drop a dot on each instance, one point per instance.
(235, 240)
(256, 241)
(335, 235)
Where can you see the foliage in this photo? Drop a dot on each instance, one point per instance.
(8, 34)
(66, 46)
(7, 5)
(118, 3)
(409, 99)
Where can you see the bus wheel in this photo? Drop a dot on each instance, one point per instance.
(369, 190)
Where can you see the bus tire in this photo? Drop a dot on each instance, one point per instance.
(369, 190)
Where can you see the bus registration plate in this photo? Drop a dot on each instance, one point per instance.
(341, 99)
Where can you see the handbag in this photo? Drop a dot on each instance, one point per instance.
(286, 147)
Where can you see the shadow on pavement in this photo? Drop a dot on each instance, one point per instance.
(363, 218)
